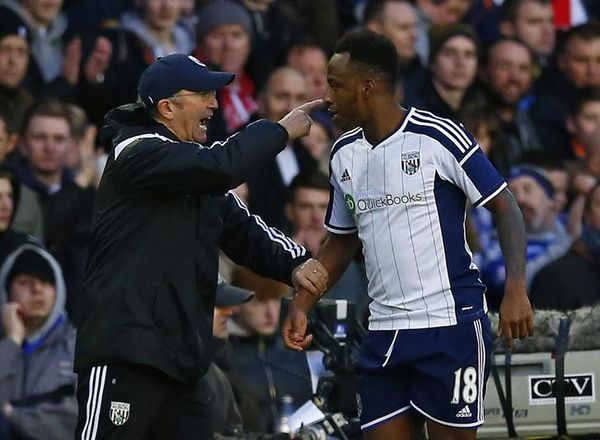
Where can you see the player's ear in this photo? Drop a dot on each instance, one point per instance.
(367, 88)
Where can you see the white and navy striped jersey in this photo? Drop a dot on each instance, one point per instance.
(407, 198)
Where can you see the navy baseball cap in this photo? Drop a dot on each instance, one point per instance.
(168, 75)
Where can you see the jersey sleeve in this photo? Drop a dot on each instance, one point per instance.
(339, 218)
(470, 169)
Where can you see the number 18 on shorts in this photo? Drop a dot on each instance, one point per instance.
(440, 372)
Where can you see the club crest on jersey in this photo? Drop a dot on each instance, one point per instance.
(411, 162)
(119, 412)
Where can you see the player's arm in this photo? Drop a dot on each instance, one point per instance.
(516, 317)
(335, 256)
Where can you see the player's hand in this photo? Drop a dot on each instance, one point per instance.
(298, 122)
(293, 330)
(14, 327)
(311, 276)
(516, 316)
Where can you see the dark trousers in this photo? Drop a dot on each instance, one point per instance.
(136, 402)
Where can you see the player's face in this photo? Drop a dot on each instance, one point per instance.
(342, 94)
(6, 203)
(47, 140)
(581, 62)
(14, 59)
(534, 26)
(192, 110)
(509, 73)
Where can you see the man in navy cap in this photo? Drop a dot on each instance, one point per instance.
(162, 213)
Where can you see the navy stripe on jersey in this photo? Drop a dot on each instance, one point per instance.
(483, 175)
(466, 287)
(345, 139)
(448, 133)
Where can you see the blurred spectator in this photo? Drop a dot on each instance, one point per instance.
(449, 88)
(122, 51)
(37, 383)
(10, 238)
(306, 208)
(532, 22)
(285, 90)
(578, 66)
(434, 13)
(397, 20)
(507, 72)
(224, 40)
(573, 280)
(227, 420)
(547, 238)
(45, 139)
(310, 60)
(55, 67)
(14, 61)
(583, 118)
(82, 158)
(261, 369)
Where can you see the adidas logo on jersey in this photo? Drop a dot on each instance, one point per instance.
(345, 175)
(465, 412)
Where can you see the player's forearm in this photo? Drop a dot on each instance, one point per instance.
(336, 254)
(512, 237)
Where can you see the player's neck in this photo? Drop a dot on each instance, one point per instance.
(385, 119)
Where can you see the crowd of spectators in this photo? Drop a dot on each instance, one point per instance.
(522, 75)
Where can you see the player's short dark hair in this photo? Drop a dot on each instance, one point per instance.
(485, 59)
(372, 52)
(581, 98)
(308, 179)
(47, 107)
(510, 8)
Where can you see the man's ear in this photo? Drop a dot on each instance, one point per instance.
(367, 88)
(165, 109)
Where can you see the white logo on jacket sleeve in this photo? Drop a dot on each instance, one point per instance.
(119, 412)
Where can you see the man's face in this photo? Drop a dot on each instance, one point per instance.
(35, 296)
(534, 26)
(455, 65)
(586, 122)
(537, 208)
(509, 73)
(220, 317)
(592, 217)
(46, 143)
(43, 11)
(312, 63)
(399, 25)
(285, 90)
(260, 317)
(6, 203)
(162, 14)
(580, 62)
(227, 46)
(192, 110)
(342, 97)
(14, 60)
(307, 210)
